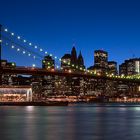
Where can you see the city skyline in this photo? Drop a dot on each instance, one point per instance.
(93, 28)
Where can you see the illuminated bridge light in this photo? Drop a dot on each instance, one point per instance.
(18, 37)
(24, 41)
(13, 64)
(24, 52)
(6, 30)
(30, 44)
(41, 50)
(12, 34)
(55, 57)
(33, 65)
(46, 52)
(29, 54)
(35, 47)
(12, 46)
(18, 49)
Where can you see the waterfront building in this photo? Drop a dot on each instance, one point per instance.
(16, 94)
(101, 61)
(112, 68)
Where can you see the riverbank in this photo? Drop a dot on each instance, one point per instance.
(52, 103)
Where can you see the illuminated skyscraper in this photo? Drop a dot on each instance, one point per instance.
(130, 67)
(101, 61)
(48, 81)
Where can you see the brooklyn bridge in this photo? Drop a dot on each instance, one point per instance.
(60, 76)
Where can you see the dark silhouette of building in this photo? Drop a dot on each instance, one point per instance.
(66, 62)
(48, 62)
(73, 56)
(80, 61)
(112, 67)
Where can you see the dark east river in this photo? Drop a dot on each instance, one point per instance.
(75, 122)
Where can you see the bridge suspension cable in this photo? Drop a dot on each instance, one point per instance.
(36, 55)
(17, 37)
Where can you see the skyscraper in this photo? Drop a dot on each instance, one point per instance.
(73, 56)
(100, 61)
(130, 67)
(80, 61)
(48, 81)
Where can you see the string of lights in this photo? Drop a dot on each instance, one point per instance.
(41, 50)
(23, 50)
(27, 51)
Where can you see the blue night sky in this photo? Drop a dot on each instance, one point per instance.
(112, 25)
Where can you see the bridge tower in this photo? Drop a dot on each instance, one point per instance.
(0, 54)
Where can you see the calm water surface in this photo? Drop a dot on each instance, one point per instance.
(75, 122)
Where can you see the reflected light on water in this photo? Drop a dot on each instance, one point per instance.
(30, 108)
(137, 108)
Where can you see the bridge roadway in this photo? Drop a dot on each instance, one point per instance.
(42, 72)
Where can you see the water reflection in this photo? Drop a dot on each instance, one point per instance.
(75, 122)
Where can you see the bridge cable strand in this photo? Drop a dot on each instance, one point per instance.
(25, 50)
(41, 50)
